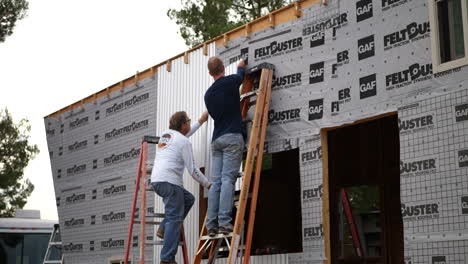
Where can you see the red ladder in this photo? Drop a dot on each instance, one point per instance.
(140, 183)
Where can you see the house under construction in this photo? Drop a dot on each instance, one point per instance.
(368, 121)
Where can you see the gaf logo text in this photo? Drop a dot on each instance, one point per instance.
(316, 72)
(317, 39)
(366, 47)
(461, 112)
(367, 86)
(463, 158)
(315, 109)
(363, 10)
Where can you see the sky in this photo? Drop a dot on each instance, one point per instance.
(64, 51)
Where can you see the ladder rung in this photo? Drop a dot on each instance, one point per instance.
(159, 242)
(155, 215)
(53, 262)
(249, 94)
(218, 236)
(261, 66)
(147, 222)
(55, 243)
(151, 139)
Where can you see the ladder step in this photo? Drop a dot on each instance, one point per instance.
(159, 243)
(264, 65)
(151, 139)
(248, 95)
(147, 222)
(218, 236)
(53, 262)
(55, 243)
(160, 215)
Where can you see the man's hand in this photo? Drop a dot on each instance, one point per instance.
(241, 63)
(203, 117)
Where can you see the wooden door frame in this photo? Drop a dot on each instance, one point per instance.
(325, 173)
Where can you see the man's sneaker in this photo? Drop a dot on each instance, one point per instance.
(225, 229)
(212, 232)
(160, 232)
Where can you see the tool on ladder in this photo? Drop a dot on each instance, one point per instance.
(140, 184)
(54, 249)
(262, 75)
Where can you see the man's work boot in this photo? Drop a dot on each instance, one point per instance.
(225, 230)
(212, 232)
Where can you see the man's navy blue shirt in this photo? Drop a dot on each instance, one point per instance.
(222, 100)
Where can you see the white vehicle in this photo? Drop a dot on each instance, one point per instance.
(24, 238)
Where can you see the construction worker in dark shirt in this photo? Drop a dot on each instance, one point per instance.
(222, 99)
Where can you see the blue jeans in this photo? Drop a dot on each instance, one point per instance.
(177, 204)
(226, 160)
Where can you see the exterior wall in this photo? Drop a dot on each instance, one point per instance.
(336, 64)
(94, 154)
(356, 59)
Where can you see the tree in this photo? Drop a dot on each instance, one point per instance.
(202, 20)
(15, 154)
(10, 12)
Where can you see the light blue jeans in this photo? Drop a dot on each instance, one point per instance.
(226, 159)
(177, 204)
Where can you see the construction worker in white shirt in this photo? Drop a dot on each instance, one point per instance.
(173, 153)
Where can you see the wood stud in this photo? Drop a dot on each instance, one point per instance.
(225, 40)
(205, 49)
(168, 65)
(271, 20)
(248, 30)
(297, 10)
(186, 57)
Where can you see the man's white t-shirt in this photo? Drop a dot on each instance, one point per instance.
(173, 153)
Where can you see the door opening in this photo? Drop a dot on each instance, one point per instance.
(364, 193)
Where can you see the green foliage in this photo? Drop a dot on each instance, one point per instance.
(15, 154)
(202, 20)
(10, 12)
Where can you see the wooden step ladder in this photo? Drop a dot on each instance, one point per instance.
(262, 74)
(141, 184)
